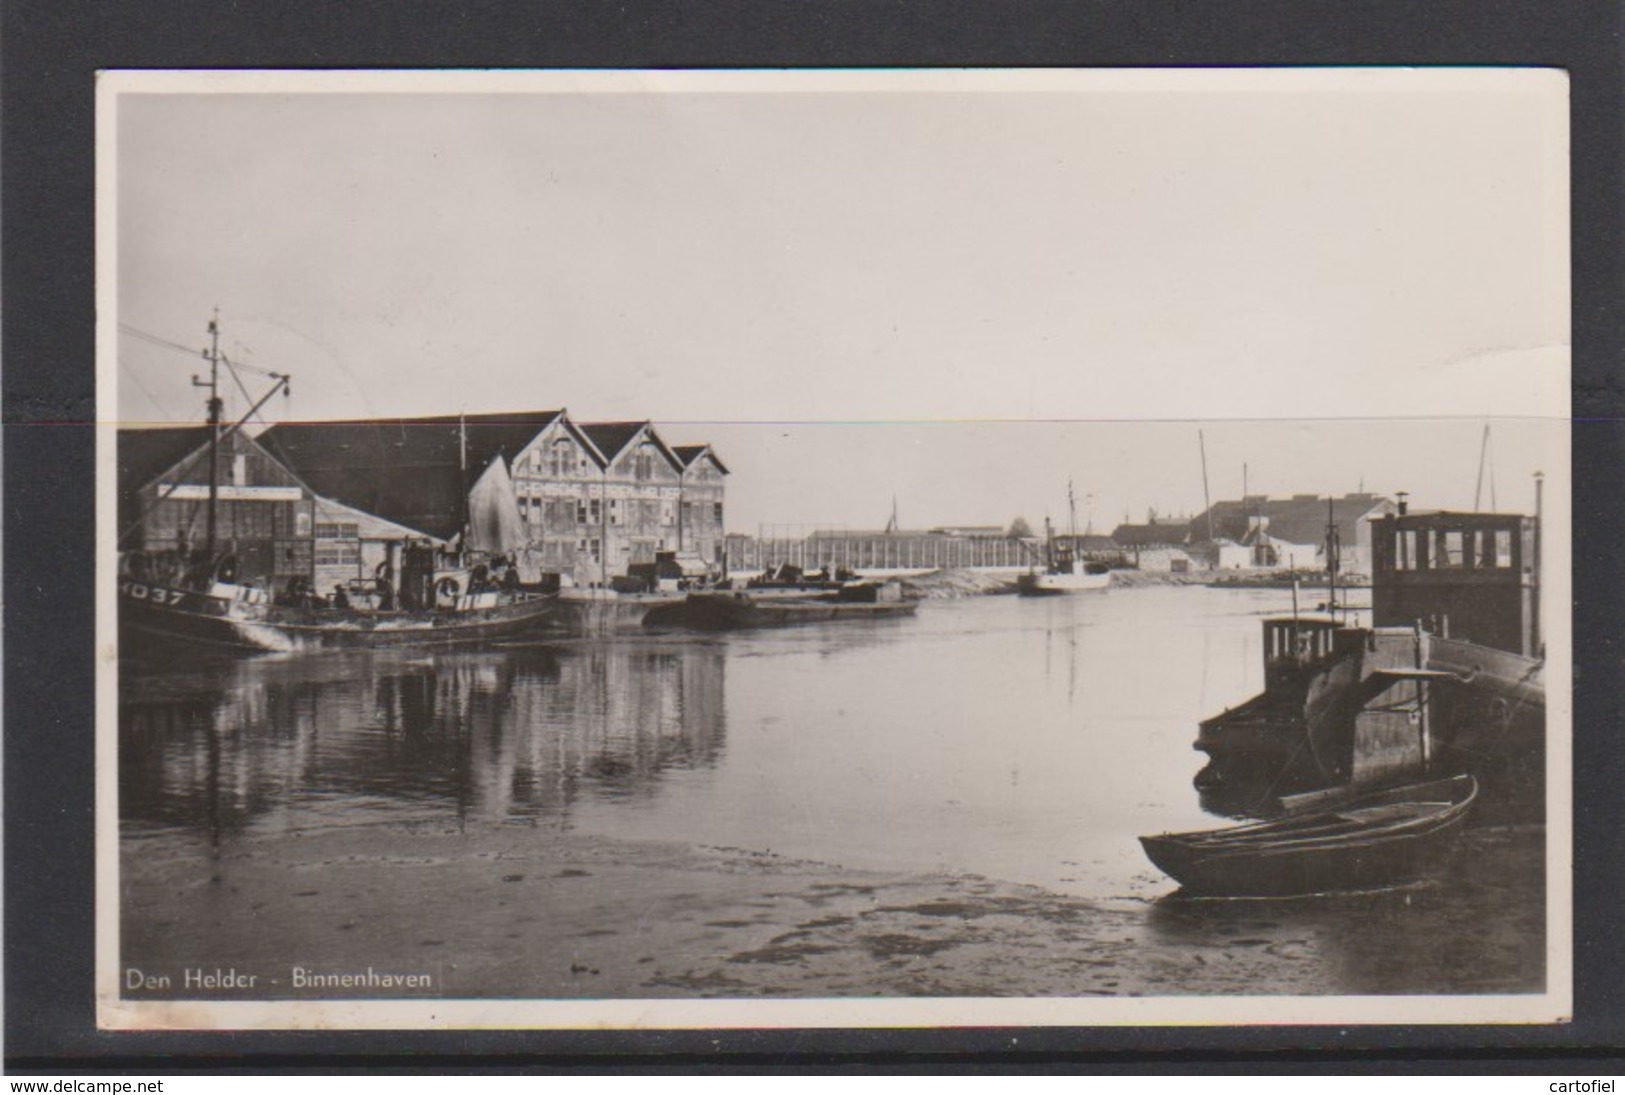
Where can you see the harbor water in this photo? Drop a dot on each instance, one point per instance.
(1017, 741)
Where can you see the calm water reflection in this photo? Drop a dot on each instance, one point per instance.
(352, 738)
(1024, 740)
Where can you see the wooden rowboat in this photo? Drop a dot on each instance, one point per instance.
(1363, 843)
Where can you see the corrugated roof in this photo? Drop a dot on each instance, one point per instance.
(414, 471)
(1089, 541)
(1128, 535)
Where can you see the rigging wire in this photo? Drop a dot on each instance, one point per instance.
(157, 340)
(146, 336)
(237, 379)
(159, 407)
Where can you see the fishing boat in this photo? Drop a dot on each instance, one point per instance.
(230, 616)
(249, 583)
(1063, 571)
(727, 611)
(1366, 842)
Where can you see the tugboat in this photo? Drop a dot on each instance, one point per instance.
(1063, 572)
(1449, 678)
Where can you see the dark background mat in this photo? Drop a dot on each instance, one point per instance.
(51, 51)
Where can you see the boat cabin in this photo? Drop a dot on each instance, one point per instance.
(1468, 576)
(1293, 643)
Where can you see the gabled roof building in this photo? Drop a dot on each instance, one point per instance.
(584, 500)
(264, 517)
(416, 472)
(1291, 532)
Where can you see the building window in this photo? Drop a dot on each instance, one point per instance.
(716, 513)
(594, 513)
(559, 465)
(581, 516)
(614, 511)
(334, 553)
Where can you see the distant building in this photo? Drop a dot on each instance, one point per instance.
(876, 549)
(1291, 532)
(1222, 554)
(973, 532)
(1153, 534)
(1156, 546)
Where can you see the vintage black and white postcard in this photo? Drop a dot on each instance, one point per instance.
(833, 548)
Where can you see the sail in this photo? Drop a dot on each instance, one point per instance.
(494, 524)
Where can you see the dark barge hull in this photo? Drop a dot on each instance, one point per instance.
(731, 611)
(196, 618)
(1370, 842)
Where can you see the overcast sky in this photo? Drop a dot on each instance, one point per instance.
(708, 251)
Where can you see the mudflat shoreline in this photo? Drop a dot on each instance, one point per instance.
(545, 913)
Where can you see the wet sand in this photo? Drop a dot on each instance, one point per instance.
(544, 913)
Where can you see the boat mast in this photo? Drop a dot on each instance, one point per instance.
(1537, 641)
(462, 477)
(1207, 502)
(282, 383)
(1331, 557)
(212, 355)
